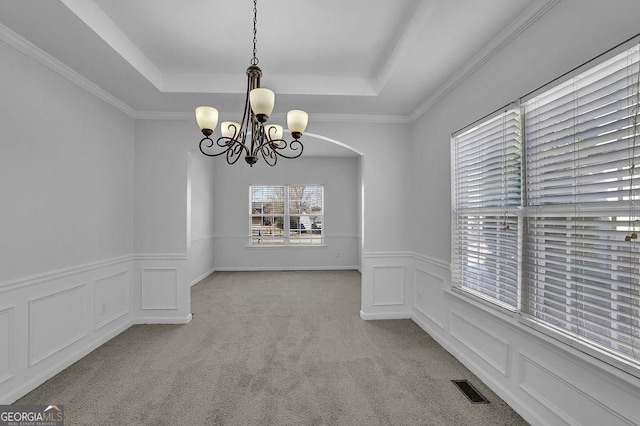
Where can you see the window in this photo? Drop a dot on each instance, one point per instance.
(547, 226)
(287, 215)
(486, 196)
(581, 276)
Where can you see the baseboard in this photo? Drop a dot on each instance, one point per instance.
(498, 388)
(202, 277)
(384, 315)
(34, 382)
(161, 320)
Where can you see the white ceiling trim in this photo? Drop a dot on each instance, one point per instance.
(418, 21)
(318, 118)
(40, 56)
(282, 84)
(105, 28)
(530, 16)
(524, 21)
(99, 22)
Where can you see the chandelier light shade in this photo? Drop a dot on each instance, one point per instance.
(252, 137)
(207, 117)
(262, 102)
(297, 121)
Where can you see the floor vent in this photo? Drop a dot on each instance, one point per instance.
(470, 392)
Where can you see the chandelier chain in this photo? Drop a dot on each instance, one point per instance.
(254, 60)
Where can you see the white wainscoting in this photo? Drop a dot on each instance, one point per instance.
(556, 392)
(491, 349)
(162, 292)
(201, 258)
(386, 284)
(49, 321)
(159, 288)
(546, 381)
(111, 298)
(56, 321)
(6, 343)
(428, 300)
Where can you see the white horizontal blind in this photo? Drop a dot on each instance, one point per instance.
(580, 275)
(486, 194)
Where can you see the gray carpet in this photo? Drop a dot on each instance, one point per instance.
(272, 348)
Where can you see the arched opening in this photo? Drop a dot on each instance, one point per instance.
(217, 234)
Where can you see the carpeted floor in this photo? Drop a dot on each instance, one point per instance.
(272, 348)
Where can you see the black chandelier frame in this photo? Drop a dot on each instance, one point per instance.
(263, 142)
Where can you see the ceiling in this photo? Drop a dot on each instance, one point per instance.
(349, 60)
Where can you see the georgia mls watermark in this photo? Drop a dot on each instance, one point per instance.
(31, 415)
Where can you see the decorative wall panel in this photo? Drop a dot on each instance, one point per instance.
(483, 344)
(560, 395)
(427, 287)
(159, 288)
(56, 321)
(6, 335)
(388, 285)
(111, 298)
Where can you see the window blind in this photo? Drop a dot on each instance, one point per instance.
(286, 214)
(486, 194)
(267, 204)
(581, 277)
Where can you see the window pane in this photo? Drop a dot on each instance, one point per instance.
(286, 214)
(267, 215)
(487, 184)
(305, 199)
(581, 269)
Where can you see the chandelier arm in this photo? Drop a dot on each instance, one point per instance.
(210, 145)
(268, 154)
(234, 153)
(294, 146)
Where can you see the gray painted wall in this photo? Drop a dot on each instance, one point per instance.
(546, 381)
(339, 175)
(66, 172)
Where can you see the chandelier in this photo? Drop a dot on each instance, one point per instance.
(265, 140)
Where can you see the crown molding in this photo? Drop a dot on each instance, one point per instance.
(524, 21)
(317, 117)
(517, 27)
(29, 49)
(361, 118)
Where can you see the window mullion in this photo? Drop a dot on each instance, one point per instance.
(287, 219)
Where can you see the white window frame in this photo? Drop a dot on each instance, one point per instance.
(288, 240)
(609, 352)
(486, 207)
